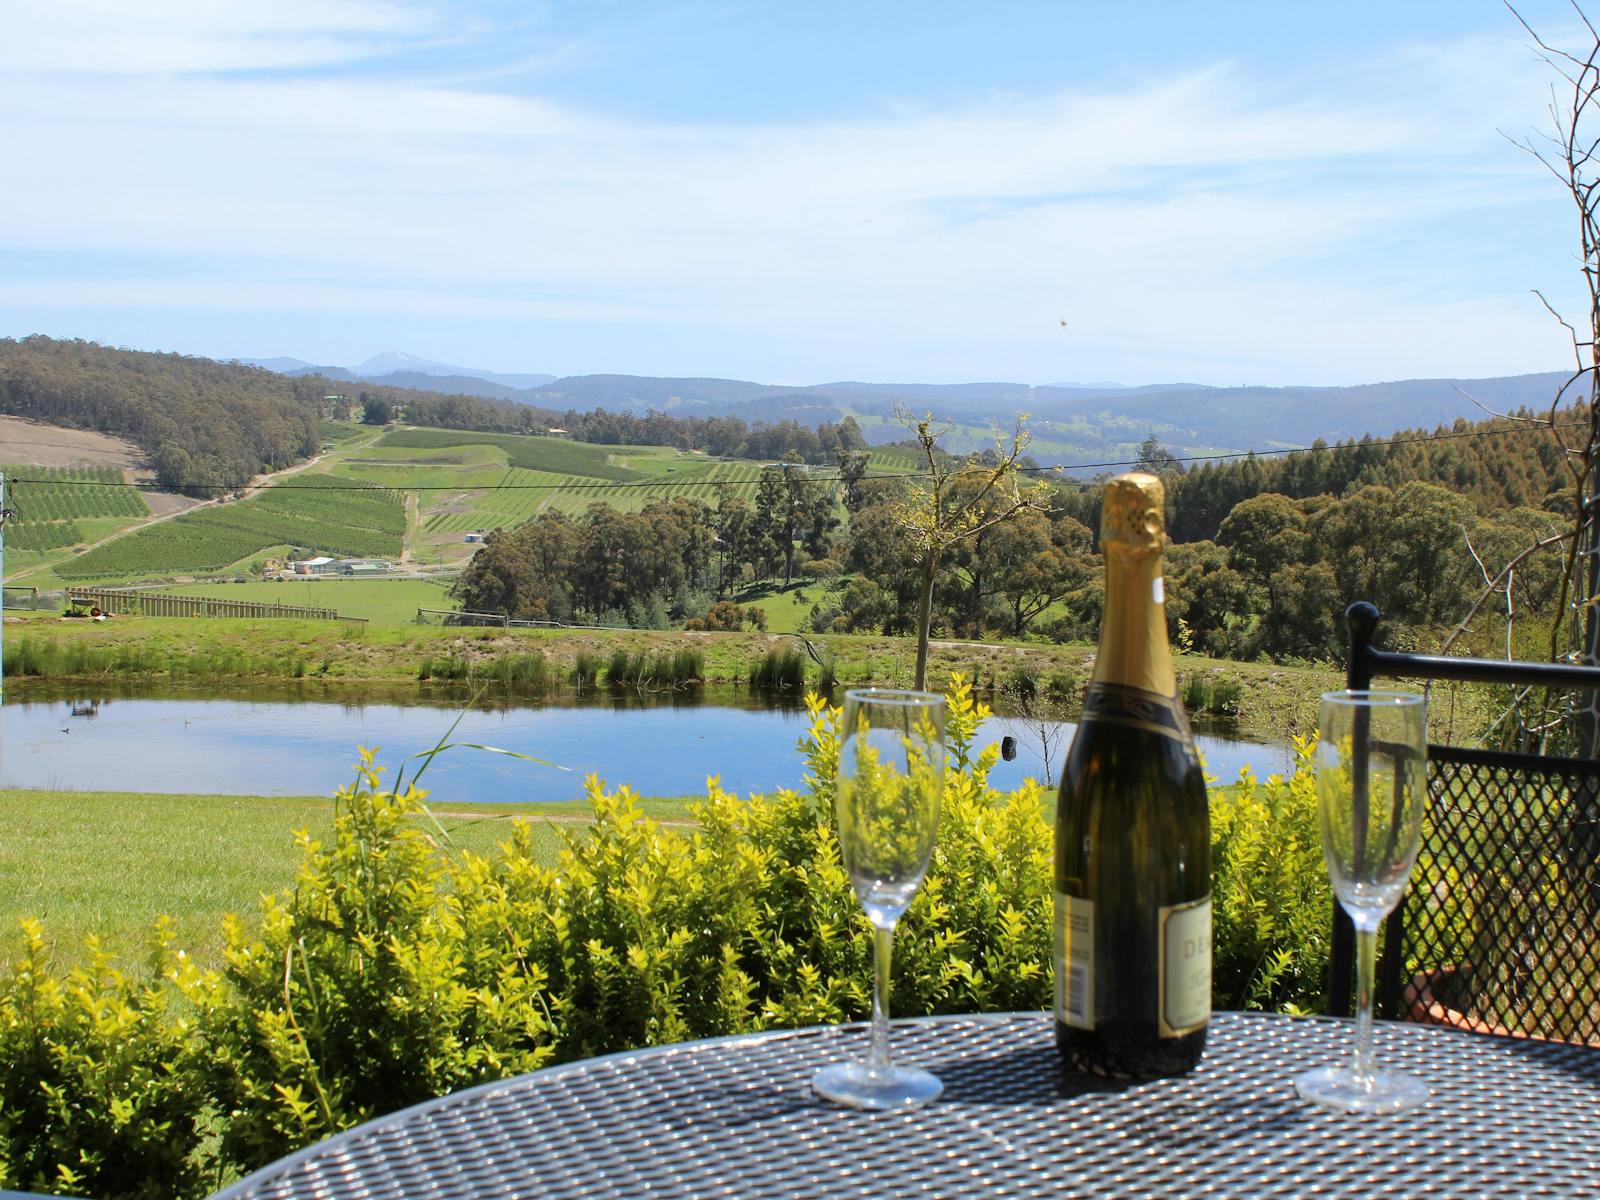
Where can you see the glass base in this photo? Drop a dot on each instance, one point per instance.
(855, 1085)
(1341, 1089)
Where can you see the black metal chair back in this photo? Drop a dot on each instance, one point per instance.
(1500, 929)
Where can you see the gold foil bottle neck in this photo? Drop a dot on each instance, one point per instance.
(1133, 630)
(1133, 516)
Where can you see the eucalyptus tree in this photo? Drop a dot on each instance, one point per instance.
(952, 503)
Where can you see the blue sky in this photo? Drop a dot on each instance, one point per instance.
(1223, 192)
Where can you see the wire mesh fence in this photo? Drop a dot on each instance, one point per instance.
(1499, 932)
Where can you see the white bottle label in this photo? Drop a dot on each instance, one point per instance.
(1074, 955)
(1185, 967)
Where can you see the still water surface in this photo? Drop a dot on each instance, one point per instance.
(663, 746)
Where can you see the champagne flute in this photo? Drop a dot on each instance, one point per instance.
(1372, 789)
(891, 776)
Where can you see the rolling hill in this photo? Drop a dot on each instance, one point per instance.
(1071, 423)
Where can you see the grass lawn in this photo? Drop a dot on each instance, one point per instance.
(786, 607)
(380, 601)
(110, 863)
(402, 467)
(461, 456)
(532, 452)
(30, 567)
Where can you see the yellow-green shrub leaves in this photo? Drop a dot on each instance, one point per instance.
(393, 970)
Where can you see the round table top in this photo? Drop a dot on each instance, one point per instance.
(736, 1117)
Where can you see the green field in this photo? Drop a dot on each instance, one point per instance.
(462, 490)
(897, 459)
(465, 482)
(307, 512)
(118, 860)
(458, 482)
(786, 608)
(54, 508)
(530, 453)
(735, 478)
(380, 601)
(344, 433)
(382, 465)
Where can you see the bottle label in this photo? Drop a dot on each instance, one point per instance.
(1185, 974)
(1117, 704)
(1075, 961)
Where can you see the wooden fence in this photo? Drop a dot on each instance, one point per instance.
(159, 604)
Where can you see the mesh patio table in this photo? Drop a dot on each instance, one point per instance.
(736, 1117)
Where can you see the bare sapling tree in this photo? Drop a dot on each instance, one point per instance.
(1571, 152)
(1044, 716)
(959, 500)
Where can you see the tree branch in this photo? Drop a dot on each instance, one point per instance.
(1493, 585)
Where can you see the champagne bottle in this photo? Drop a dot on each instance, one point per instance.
(1133, 834)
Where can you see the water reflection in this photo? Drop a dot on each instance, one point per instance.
(302, 741)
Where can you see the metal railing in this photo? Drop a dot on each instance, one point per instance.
(1498, 931)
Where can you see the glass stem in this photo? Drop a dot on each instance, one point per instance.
(882, 958)
(1363, 1066)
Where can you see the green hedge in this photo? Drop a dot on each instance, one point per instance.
(389, 972)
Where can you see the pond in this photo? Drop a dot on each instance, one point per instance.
(661, 745)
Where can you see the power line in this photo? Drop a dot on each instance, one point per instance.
(613, 485)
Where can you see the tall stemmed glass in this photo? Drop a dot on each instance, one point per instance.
(891, 778)
(1371, 793)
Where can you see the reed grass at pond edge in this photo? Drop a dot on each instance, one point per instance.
(1269, 702)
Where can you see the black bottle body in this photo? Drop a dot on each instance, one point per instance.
(1133, 890)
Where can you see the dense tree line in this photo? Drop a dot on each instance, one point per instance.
(667, 563)
(726, 437)
(1281, 569)
(1266, 551)
(201, 422)
(1271, 584)
(606, 566)
(1000, 582)
(1497, 463)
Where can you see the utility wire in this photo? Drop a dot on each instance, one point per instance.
(612, 485)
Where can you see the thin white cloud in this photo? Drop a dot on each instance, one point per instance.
(157, 37)
(1202, 214)
(317, 297)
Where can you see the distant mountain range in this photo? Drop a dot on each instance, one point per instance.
(1088, 418)
(407, 370)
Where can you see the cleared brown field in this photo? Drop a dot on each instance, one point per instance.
(52, 446)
